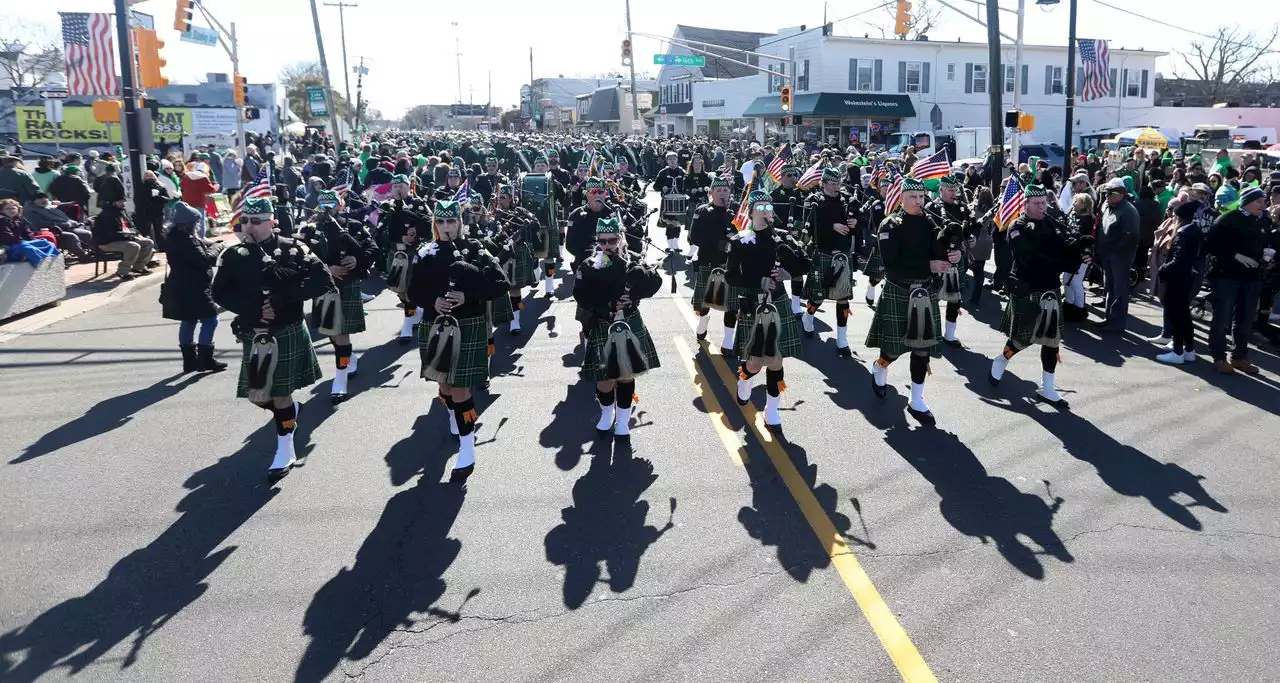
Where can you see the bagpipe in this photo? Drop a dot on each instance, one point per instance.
(264, 357)
(623, 358)
(444, 346)
(766, 327)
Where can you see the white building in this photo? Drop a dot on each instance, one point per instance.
(674, 113)
(866, 89)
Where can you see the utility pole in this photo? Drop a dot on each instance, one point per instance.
(1017, 81)
(131, 129)
(635, 107)
(995, 96)
(232, 48)
(457, 53)
(342, 31)
(1071, 87)
(324, 70)
(533, 96)
(359, 95)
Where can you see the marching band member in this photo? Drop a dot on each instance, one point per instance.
(711, 227)
(403, 221)
(962, 229)
(452, 181)
(554, 237)
(670, 180)
(580, 235)
(348, 252)
(788, 204)
(489, 181)
(914, 249)
(697, 184)
(518, 227)
(608, 286)
(760, 259)
(455, 278)
(1033, 315)
(876, 212)
(829, 219)
(264, 280)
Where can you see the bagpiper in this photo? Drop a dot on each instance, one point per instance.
(449, 190)
(962, 230)
(830, 220)
(488, 182)
(697, 184)
(455, 278)
(403, 222)
(914, 249)
(759, 260)
(788, 205)
(265, 280)
(876, 210)
(1032, 314)
(347, 250)
(518, 229)
(608, 286)
(711, 228)
(549, 250)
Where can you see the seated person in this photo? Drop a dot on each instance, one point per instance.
(114, 233)
(71, 236)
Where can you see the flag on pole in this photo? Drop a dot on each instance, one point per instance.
(742, 218)
(935, 166)
(1095, 59)
(810, 178)
(344, 184)
(86, 39)
(878, 171)
(464, 192)
(893, 197)
(1011, 203)
(258, 190)
(779, 160)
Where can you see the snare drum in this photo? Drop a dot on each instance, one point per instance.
(674, 206)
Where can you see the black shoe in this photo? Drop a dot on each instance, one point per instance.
(515, 332)
(125, 277)
(205, 361)
(809, 333)
(337, 398)
(880, 391)
(702, 336)
(924, 417)
(404, 341)
(189, 362)
(727, 353)
(1060, 404)
(953, 343)
(274, 475)
(460, 474)
(994, 382)
(844, 352)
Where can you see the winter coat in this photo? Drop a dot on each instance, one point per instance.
(186, 291)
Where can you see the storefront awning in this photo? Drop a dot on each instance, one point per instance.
(677, 108)
(836, 104)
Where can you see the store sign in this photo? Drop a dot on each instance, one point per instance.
(713, 103)
(881, 104)
(79, 127)
(316, 101)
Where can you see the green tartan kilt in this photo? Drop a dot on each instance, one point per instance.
(700, 283)
(597, 334)
(500, 311)
(1020, 313)
(296, 363)
(889, 325)
(813, 289)
(472, 370)
(352, 306)
(874, 267)
(788, 342)
(553, 244)
(522, 275)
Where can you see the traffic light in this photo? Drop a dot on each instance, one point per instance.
(252, 114)
(1026, 122)
(903, 23)
(626, 52)
(149, 61)
(239, 87)
(182, 15)
(107, 111)
(786, 99)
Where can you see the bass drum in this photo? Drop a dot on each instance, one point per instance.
(535, 195)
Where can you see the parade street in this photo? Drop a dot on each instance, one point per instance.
(1132, 538)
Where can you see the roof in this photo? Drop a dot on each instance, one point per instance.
(1026, 46)
(718, 68)
(604, 105)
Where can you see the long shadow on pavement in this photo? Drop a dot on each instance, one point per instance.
(573, 421)
(978, 504)
(399, 569)
(509, 347)
(606, 528)
(107, 415)
(152, 584)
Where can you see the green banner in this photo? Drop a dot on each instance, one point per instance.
(316, 99)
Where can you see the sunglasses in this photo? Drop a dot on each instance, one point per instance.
(607, 241)
(257, 221)
(762, 207)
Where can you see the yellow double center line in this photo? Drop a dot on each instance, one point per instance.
(893, 637)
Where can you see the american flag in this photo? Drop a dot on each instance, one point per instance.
(343, 185)
(878, 171)
(258, 190)
(893, 196)
(935, 166)
(464, 192)
(742, 218)
(779, 160)
(1097, 72)
(809, 179)
(1011, 204)
(86, 38)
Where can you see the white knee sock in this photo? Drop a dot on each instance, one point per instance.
(842, 337)
(703, 322)
(728, 338)
(771, 416)
(466, 452)
(622, 422)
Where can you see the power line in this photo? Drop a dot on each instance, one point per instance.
(851, 16)
(1180, 28)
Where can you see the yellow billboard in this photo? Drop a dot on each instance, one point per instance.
(79, 128)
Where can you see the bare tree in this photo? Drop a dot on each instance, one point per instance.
(30, 53)
(924, 16)
(418, 118)
(1231, 59)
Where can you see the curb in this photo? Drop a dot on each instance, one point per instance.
(67, 309)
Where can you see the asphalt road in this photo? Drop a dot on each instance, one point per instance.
(1133, 538)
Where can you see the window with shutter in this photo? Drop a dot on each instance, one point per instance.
(1079, 79)
(1008, 78)
(1048, 79)
(979, 78)
(968, 77)
(1026, 77)
(879, 76)
(951, 72)
(902, 76)
(853, 75)
(1132, 84)
(924, 77)
(1144, 84)
(1114, 84)
(913, 74)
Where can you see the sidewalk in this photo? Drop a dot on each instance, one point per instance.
(85, 292)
